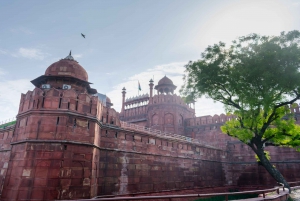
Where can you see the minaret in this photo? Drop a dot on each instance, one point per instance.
(151, 91)
(123, 99)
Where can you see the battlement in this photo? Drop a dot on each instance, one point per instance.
(222, 118)
(59, 99)
(135, 111)
(66, 101)
(137, 98)
(162, 134)
(205, 120)
(170, 98)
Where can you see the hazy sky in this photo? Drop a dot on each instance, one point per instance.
(126, 40)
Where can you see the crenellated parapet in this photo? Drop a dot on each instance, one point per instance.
(222, 118)
(207, 120)
(137, 98)
(171, 99)
(58, 99)
(110, 116)
(207, 128)
(58, 114)
(135, 108)
(135, 111)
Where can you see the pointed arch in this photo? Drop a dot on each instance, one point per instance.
(169, 119)
(154, 119)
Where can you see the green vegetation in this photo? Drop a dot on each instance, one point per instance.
(267, 154)
(290, 199)
(7, 124)
(230, 197)
(257, 78)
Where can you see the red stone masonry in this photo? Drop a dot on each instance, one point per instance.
(67, 144)
(5, 148)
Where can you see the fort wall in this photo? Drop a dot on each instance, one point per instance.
(242, 167)
(247, 171)
(6, 135)
(132, 162)
(67, 144)
(129, 161)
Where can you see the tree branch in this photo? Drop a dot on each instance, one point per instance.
(288, 102)
(271, 118)
(230, 96)
(269, 144)
(269, 138)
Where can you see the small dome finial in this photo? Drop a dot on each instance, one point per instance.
(69, 57)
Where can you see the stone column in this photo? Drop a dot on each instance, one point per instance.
(123, 100)
(151, 91)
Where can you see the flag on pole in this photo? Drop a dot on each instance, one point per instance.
(139, 86)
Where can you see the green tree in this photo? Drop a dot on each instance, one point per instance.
(256, 78)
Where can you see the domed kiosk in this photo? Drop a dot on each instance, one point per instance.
(65, 74)
(67, 67)
(165, 85)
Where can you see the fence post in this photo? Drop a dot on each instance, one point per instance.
(264, 195)
(226, 197)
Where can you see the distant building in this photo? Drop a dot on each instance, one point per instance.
(164, 110)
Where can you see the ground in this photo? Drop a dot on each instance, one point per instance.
(295, 195)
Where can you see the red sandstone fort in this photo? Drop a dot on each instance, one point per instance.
(69, 143)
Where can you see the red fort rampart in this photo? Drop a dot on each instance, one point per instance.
(69, 143)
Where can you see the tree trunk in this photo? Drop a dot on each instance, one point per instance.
(271, 169)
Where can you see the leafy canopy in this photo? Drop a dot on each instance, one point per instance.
(256, 78)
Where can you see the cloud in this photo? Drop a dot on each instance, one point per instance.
(32, 53)
(10, 94)
(296, 4)
(10, 91)
(77, 56)
(175, 72)
(2, 72)
(3, 51)
(238, 19)
(22, 30)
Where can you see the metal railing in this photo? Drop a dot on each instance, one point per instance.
(170, 197)
(155, 132)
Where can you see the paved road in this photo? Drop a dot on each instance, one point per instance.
(295, 195)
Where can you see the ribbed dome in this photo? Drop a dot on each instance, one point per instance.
(67, 67)
(165, 80)
(165, 85)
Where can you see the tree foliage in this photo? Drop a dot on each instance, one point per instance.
(256, 78)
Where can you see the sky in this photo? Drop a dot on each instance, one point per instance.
(126, 40)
